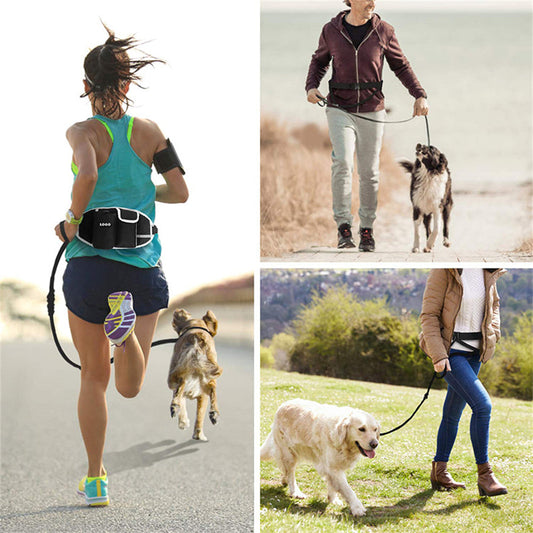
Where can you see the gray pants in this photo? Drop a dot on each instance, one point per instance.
(348, 134)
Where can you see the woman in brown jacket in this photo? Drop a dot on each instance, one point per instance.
(460, 327)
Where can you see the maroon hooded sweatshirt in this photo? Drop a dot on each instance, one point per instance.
(359, 66)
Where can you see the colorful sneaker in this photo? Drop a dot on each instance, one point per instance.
(119, 323)
(95, 490)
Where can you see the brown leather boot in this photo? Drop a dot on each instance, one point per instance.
(487, 483)
(441, 479)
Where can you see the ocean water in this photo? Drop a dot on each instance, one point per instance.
(475, 67)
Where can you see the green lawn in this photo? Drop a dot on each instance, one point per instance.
(394, 486)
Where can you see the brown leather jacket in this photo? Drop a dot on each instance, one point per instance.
(361, 65)
(440, 306)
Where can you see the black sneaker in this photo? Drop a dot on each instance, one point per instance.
(345, 236)
(366, 244)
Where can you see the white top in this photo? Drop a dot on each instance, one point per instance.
(472, 308)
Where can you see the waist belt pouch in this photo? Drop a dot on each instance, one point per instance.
(98, 228)
(109, 228)
(126, 234)
(104, 229)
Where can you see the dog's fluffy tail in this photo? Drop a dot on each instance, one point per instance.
(407, 165)
(268, 448)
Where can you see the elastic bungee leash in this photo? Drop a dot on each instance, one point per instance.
(323, 103)
(50, 299)
(439, 375)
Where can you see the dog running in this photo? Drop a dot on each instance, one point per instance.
(194, 369)
(331, 438)
(431, 194)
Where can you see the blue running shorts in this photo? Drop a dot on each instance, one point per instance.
(88, 281)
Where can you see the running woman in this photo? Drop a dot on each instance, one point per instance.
(113, 295)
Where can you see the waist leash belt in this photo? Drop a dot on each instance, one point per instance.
(376, 85)
(461, 337)
(116, 228)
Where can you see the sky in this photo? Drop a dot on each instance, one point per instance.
(206, 99)
(404, 5)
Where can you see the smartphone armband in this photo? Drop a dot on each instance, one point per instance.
(167, 159)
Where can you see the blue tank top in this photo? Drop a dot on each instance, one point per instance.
(124, 180)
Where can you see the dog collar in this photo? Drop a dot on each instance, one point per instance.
(193, 327)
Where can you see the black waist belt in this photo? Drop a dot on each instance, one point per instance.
(376, 85)
(109, 228)
(356, 86)
(461, 337)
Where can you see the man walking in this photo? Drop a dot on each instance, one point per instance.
(356, 41)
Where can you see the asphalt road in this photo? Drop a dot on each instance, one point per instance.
(159, 478)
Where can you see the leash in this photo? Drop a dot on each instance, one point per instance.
(439, 375)
(50, 298)
(323, 103)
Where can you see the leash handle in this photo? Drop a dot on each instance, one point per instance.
(63, 232)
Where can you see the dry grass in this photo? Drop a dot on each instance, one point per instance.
(296, 191)
(526, 246)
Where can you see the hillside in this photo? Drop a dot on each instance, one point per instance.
(284, 292)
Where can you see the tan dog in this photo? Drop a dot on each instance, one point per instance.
(329, 437)
(193, 369)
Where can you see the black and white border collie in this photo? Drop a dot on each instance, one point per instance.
(431, 194)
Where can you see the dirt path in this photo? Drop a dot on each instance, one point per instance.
(486, 226)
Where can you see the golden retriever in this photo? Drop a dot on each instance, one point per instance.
(194, 369)
(329, 437)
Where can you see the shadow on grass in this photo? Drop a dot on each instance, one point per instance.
(276, 497)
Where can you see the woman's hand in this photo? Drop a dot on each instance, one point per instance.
(70, 230)
(421, 107)
(442, 365)
(314, 96)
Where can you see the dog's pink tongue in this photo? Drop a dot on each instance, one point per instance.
(370, 454)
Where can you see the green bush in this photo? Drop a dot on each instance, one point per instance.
(338, 336)
(510, 373)
(281, 346)
(267, 359)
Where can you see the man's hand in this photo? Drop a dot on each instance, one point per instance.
(314, 96)
(441, 365)
(421, 107)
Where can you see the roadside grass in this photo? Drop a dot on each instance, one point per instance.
(394, 486)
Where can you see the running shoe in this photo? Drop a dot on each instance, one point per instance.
(95, 490)
(120, 322)
(345, 236)
(367, 243)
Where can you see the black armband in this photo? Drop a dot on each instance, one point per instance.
(167, 159)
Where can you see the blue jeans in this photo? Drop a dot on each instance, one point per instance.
(464, 387)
